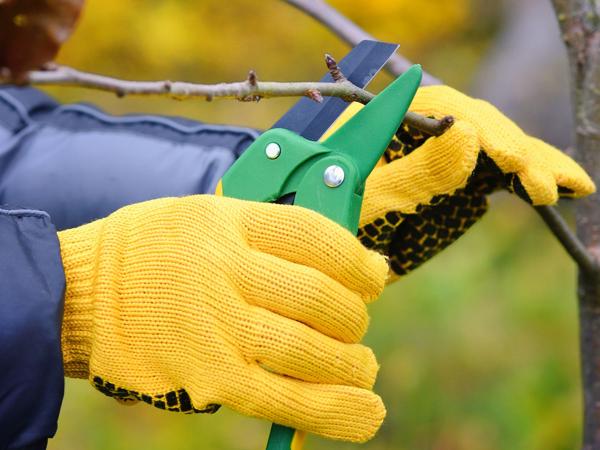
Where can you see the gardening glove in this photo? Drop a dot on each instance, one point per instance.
(430, 190)
(191, 303)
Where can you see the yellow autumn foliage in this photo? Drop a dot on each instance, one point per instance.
(210, 38)
(415, 24)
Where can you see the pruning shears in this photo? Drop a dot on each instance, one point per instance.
(287, 164)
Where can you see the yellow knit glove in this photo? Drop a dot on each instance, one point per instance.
(432, 189)
(190, 303)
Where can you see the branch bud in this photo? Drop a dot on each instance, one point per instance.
(314, 94)
(334, 69)
(252, 79)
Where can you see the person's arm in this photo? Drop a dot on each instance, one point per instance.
(183, 303)
(79, 163)
(32, 283)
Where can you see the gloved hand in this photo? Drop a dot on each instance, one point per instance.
(190, 303)
(432, 189)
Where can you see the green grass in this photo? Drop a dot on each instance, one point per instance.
(478, 351)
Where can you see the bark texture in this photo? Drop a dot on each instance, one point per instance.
(580, 25)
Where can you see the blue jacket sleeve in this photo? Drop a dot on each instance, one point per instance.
(31, 290)
(79, 164)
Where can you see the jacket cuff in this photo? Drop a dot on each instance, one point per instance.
(31, 291)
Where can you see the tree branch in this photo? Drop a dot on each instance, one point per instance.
(568, 239)
(249, 90)
(352, 33)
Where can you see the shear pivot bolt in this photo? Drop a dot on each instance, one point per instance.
(273, 150)
(333, 176)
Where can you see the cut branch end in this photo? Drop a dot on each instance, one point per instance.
(445, 123)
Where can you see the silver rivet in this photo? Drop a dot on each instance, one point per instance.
(273, 150)
(333, 176)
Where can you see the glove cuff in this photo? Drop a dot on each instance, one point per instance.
(78, 251)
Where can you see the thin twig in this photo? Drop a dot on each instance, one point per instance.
(352, 33)
(242, 90)
(248, 90)
(568, 239)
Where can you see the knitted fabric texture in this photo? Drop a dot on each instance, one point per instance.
(190, 303)
(543, 170)
(430, 190)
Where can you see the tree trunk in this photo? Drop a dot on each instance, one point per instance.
(580, 24)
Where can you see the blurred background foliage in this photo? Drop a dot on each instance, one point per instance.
(479, 348)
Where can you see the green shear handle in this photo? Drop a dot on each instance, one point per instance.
(328, 177)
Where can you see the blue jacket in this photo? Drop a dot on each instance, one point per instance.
(62, 166)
